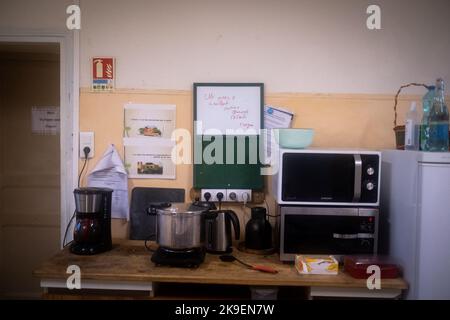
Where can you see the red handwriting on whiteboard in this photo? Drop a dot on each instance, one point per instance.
(209, 96)
(239, 114)
(237, 111)
(229, 108)
(246, 125)
(220, 101)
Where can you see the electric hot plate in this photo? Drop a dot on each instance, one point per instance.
(189, 258)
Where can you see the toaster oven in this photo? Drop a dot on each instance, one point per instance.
(334, 231)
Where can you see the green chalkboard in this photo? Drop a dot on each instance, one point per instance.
(242, 174)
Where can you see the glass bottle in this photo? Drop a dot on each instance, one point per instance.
(412, 128)
(427, 102)
(438, 121)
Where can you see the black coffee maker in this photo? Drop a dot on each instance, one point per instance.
(92, 232)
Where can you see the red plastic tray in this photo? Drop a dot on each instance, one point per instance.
(357, 266)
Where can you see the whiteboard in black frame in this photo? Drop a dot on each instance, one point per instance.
(228, 108)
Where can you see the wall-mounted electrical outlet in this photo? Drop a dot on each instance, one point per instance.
(239, 195)
(212, 195)
(229, 195)
(87, 140)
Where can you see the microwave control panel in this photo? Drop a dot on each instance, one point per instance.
(369, 178)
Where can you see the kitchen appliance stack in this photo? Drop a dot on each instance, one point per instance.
(185, 231)
(328, 202)
(179, 234)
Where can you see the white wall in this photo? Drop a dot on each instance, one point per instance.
(290, 45)
(33, 15)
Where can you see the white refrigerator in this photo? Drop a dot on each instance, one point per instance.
(415, 219)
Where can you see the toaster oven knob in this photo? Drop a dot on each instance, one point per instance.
(370, 186)
(366, 243)
(370, 171)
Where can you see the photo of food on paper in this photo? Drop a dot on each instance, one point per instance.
(149, 159)
(150, 131)
(149, 120)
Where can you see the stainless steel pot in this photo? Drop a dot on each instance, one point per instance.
(179, 226)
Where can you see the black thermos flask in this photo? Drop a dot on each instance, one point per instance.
(258, 231)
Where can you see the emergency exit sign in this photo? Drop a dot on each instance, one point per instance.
(103, 74)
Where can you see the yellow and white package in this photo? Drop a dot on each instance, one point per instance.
(316, 265)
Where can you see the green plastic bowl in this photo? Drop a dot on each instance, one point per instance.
(294, 138)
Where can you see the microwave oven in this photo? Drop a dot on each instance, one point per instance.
(328, 177)
(334, 231)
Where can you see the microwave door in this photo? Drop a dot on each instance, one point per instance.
(321, 177)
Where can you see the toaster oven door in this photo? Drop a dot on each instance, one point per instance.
(336, 231)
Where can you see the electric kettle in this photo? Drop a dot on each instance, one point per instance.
(218, 230)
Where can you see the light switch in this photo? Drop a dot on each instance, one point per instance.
(87, 140)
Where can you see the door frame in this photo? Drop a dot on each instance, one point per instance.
(69, 113)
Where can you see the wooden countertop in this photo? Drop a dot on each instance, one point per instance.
(129, 260)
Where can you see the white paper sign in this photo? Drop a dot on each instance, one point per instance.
(275, 118)
(149, 120)
(149, 159)
(45, 120)
(110, 173)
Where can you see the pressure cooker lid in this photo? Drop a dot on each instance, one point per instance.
(180, 208)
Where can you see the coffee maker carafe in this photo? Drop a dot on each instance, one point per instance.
(92, 232)
(218, 230)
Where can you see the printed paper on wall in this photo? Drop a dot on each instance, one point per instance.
(149, 159)
(149, 120)
(45, 120)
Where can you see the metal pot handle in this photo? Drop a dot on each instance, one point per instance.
(153, 209)
(234, 219)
